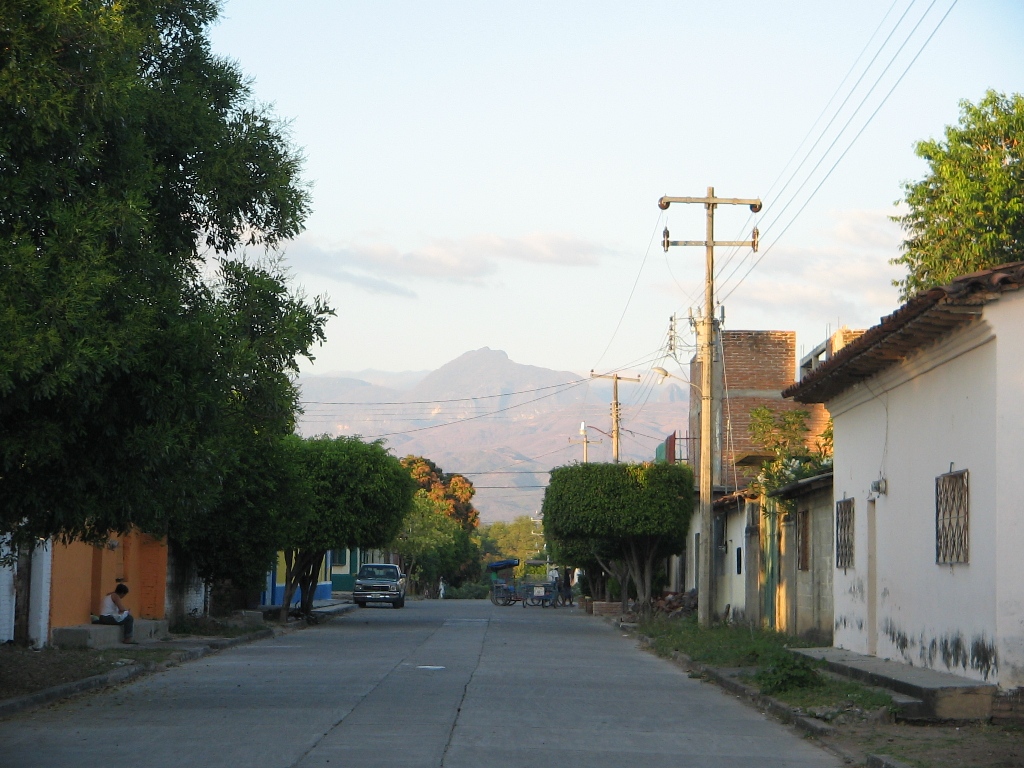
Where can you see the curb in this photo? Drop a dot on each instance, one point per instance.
(125, 674)
(884, 761)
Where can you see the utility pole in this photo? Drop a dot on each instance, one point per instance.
(586, 441)
(616, 413)
(706, 345)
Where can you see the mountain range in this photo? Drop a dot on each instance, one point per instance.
(502, 424)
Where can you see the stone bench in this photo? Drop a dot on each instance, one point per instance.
(106, 635)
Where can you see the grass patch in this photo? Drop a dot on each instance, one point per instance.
(205, 626)
(833, 693)
(24, 671)
(719, 645)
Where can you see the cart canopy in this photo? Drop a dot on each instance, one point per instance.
(503, 564)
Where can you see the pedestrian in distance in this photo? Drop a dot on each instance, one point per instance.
(112, 611)
(440, 589)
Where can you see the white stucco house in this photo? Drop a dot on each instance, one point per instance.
(928, 410)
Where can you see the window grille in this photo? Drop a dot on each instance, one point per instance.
(844, 533)
(803, 528)
(951, 518)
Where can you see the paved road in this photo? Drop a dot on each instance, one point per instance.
(461, 684)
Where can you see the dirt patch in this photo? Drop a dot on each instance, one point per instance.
(24, 671)
(935, 746)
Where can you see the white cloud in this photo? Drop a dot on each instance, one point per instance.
(843, 277)
(382, 268)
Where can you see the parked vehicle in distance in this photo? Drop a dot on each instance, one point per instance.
(379, 583)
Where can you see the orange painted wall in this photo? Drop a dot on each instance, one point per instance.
(84, 573)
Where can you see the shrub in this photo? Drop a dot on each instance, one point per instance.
(783, 671)
(467, 592)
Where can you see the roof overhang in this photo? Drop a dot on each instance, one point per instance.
(927, 317)
(803, 486)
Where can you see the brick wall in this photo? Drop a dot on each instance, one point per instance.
(758, 365)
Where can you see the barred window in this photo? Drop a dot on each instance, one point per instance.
(951, 518)
(844, 533)
(803, 529)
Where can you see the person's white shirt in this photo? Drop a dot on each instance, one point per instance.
(108, 608)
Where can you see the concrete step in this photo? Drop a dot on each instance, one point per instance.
(919, 693)
(106, 635)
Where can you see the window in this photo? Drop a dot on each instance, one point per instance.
(803, 547)
(951, 518)
(844, 533)
(739, 561)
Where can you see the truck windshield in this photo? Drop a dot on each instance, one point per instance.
(379, 572)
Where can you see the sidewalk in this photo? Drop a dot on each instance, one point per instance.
(186, 647)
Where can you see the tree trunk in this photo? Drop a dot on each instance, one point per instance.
(309, 579)
(640, 558)
(22, 595)
(289, 584)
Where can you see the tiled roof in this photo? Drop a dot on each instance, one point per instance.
(917, 323)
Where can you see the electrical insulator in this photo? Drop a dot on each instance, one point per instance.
(754, 240)
(664, 239)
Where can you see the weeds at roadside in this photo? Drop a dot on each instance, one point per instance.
(205, 626)
(720, 645)
(24, 671)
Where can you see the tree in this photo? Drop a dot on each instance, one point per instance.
(638, 512)
(426, 532)
(357, 496)
(261, 326)
(967, 214)
(454, 491)
(785, 434)
(129, 155)
(518, 539)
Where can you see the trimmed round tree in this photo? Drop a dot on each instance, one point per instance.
(640, 512)
(358, 496)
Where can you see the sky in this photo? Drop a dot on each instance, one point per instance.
(487, 174)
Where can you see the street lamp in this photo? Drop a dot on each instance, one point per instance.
(666, 375)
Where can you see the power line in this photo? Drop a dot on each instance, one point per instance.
(767, 195)
(449, 400)
(632, 290)
(468, 418)
(850, 146)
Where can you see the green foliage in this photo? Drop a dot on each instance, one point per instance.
(468, 592)
(353, 494)
(519, 539)
(967, 214)
(635, 513)
(453, 492)
(832, 692)
(784, 433)
(359, 494)
(132, 388)
(784, 671)
(619, 502)
(427, 534)
(721, 645)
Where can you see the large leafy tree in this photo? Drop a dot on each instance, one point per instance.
(357, 495)
(260, 323)
(427, 533)
(130, 155)
(635, 513)
(967, 213)
(452, 491)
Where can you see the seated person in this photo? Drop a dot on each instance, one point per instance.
(112, 611)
